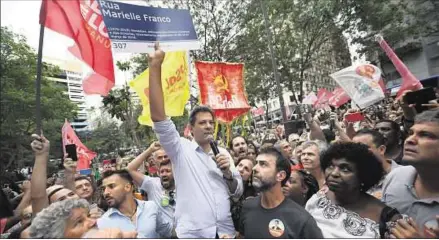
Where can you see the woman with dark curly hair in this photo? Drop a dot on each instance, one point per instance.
(300, 187)
(343, 209)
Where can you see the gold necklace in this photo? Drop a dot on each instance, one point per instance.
(132, 215)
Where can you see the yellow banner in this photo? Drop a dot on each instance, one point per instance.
(175, 82)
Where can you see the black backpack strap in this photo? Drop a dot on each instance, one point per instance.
(386, 215)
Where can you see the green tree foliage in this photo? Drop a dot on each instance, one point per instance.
(119, 104)
(395, 20)
(17, 119)
(302, 31)
(107, 137)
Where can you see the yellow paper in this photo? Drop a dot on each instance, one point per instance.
(175, 83)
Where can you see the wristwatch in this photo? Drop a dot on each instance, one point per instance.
(228, 178)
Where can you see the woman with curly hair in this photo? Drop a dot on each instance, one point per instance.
(343, 209)
(300, 187)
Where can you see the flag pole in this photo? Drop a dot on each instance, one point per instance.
(38, 82)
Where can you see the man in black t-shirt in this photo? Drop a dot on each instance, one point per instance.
(271, 215)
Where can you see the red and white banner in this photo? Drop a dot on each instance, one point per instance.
(85, 156)
(339, 98)
(82, 21)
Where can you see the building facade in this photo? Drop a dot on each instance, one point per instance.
(421, 56)
(333, 56)
(70, 80)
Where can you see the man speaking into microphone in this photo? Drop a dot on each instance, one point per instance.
(204, 181)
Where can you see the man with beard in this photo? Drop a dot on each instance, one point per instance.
(205, 181)
(392, 132)
(414, 190)
(160, 190)
(271, 214)
(127, 213)
(239, 147)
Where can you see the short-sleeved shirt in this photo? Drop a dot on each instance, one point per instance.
(399, 192)
(288, 220)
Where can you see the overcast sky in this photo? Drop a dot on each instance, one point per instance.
(23, 17)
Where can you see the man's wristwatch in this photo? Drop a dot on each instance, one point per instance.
(228, 178)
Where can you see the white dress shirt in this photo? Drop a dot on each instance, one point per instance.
(203, 205)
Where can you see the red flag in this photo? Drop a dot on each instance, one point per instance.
(82, 21)
(409, 81)
(257, 111)
(323, 97)
(338, 98)
(222, 88)
(85, 156)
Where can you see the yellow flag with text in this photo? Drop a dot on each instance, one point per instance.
(175, 84)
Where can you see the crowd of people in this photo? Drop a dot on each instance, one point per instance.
(376, 178)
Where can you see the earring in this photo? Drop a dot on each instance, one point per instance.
(361, 186)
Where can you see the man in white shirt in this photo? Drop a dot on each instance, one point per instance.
(204, 182)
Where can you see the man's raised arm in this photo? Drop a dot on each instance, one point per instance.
(40, 145)
(156, 99)
(165, 129)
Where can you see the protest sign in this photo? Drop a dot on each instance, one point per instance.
(135, 29)
(361, 83)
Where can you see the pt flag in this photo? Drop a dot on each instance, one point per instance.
(409, 81)
(323, 97)
(85, 156)
(82, 21)
(222, 88)
(175, 82)
(338, 98)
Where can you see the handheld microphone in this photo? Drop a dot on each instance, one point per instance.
(214, 147)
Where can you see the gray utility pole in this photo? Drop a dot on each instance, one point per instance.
(273, 62)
